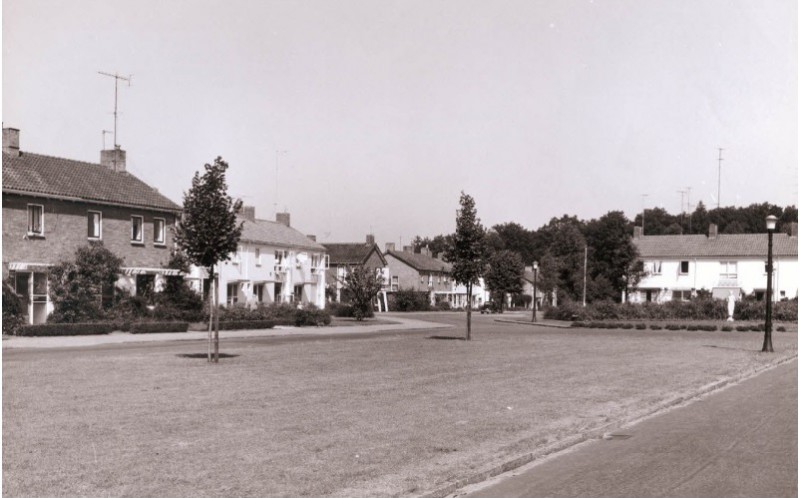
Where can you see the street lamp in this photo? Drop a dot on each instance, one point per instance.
(535, 273)
(767, 347)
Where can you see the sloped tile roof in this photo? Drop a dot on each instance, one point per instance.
(277, 234)
(421, 262)
(350, 253)
(725, 245)
(55, 176)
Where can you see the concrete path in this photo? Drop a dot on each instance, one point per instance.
(125, 337)
(741, 441)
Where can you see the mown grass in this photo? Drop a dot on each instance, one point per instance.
(391, 415)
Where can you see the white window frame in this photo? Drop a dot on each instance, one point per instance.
(680, 266)
(163, 232)
(31, 232)
(99, 214)
(656, 265)
(258, 256)
(237, 256)
(725, 267)
(140, 240)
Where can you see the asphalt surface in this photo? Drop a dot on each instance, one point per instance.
(741, 441)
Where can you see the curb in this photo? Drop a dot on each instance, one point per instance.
(534, 324)
(597, 432)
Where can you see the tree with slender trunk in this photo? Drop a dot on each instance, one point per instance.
(362, 283)
(468, 251)
(504, 275)
(208, 233)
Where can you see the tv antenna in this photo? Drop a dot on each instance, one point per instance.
(683, 193)
(719, 176)
(116, 77)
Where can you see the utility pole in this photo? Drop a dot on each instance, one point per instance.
(116, 84)
(719, 177)
(585, 260)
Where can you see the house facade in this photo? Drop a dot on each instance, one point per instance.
(52, 206)
(274, 263)
(677, 266)
(419, 272)
(343, 256)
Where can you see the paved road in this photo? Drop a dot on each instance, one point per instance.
(741, 441)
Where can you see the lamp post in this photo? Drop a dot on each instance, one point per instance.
(767, 347)
(533, 304)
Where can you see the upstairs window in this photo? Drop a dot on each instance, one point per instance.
(656, 267)
(258, 257)
(159, 231)
(95, 225)
(684, 268)
(35, 219)
(727, 269)
(137, 224)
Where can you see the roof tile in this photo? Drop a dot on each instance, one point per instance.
(725, 245)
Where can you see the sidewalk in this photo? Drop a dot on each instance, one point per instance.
(403, 324)
(740, 441)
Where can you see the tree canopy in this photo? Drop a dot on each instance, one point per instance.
(504, 274)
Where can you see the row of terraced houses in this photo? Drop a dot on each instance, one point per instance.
(53, 205)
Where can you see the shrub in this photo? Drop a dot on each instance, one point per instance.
(13, 310)
(442, 306)
(59, 329)
(577, 325)
(247, 325)
(156, 327)
(691, 328)
(726, 328)
(641, 326)
(742, 328)
(410, 300)
(672, 326)
(781, 329)
(707, 328)
(655, 327)
(626, 326)
(757, 328)
(312, 316)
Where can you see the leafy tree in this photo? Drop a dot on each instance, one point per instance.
(504, 275)
(517, 238)
(78, 287)
(437, 245)
(613, 254)
(13, 309)
(563, 272)
(178, 300)
(362, 285)
(468, 252)
(209, 233)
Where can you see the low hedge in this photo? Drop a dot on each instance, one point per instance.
(60, 329)
(246, 325)
(158, 327)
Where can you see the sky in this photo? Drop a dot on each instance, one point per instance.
(372, 116)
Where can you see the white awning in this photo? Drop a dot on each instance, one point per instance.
(17, 266)
(167, 272)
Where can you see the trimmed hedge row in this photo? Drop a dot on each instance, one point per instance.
(59, 329)
(158, 327)
(696, 309)
(246, 324)
(672, 326)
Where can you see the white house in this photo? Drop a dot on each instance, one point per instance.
(274, 263)
(677, 266)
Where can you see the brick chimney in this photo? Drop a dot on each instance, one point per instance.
(793, 229)
(312, 237)
(11, 141)
(390, 246)
(638, 232)
(370, 239)
(249, 213)
(283, 219)
(712, 230)
(408, 248)
(113, 158)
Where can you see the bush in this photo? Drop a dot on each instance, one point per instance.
(247, 325)
(672, 326)
(313, 317)
(641, 326)
(691, 328)
(410, 300)
(757, 328)
(59, 329)
(742, 328)
(157, 327)
(655, 327)
(727, 328)
(781, 329)
(13, 310)
(442, 306)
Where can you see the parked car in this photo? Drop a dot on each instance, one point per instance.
(490, 308)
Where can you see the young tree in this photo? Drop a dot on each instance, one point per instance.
(362, 284)
(209, 233)
(504, 275)
(77, 287)
(468, 251)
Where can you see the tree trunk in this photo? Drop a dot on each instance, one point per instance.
(216, 320)
(469, 312)
(210, 312)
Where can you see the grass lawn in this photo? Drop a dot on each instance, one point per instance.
(396, 414)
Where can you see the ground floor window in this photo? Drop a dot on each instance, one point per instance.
(258, 292)
(233, 294)
(278, 292)
(681, 295)
(298, 293)
(31, 287)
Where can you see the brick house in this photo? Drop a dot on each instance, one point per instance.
(677, 266)
(52, 206)
(420, 272)
(274, 263)
(345, 255)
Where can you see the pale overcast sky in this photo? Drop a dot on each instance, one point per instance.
(388, 109)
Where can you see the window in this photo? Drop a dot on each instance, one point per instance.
(681, 295)
(35, 219)
(258, 261)
(258, 292)
(159, 231)
(684, 267)
(279, 255)
(137, 235)
(233, 294)
(237, 256)
(727, 269)
(656, 267)
(395, 283)
(95, 224)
